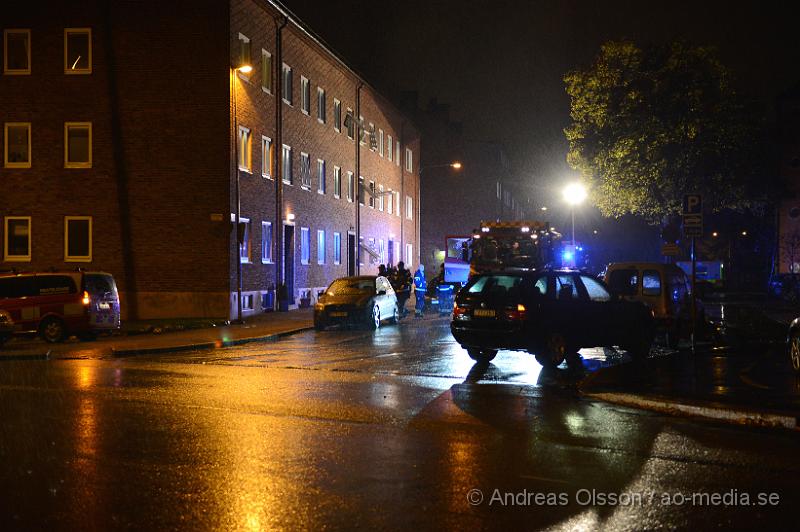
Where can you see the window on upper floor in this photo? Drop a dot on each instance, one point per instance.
(245, 149)
(77, 239)
(286, 163)
(305, 95)
(17, 241)
(409, 160)
(266, 71)
(266, 157)
(380, 142)
(380, 198)
(78, 145)
(321, 107)
(389, 202)
(286, 83)
(372, 194)
(305, 170)
(337, 182)
(397, 153)
(245, 55)
(409, 208)
(361, 190)
(321, 188)
(337, 115)
(17, 145)
(78, 51)
(350, 186)
(350, 124)
(17, 51)
(389, 147)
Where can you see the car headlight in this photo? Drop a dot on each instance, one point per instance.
(319, 306)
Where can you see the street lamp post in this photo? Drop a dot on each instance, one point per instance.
(245, 69)
(574, 194)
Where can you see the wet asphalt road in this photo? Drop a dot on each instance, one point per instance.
(351, 429)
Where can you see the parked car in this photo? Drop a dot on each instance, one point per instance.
(665, 288)
(793, 344)
(58, 304)
(6, 326)
(550, 314)
(366, 300)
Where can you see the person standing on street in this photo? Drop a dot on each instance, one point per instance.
(420, 287)
(401, 282)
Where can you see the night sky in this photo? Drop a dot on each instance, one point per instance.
(500, 64)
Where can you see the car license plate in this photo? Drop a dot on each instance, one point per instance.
(338, 314)
(483, 313)
(104, 306)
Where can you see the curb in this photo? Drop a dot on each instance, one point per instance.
(736, 416)
(208, 345)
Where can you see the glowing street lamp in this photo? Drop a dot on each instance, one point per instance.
(574, 194)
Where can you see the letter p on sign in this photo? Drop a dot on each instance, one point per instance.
(692, 204)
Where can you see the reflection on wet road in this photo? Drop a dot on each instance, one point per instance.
(349, 429)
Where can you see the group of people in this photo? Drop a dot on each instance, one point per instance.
(402, 281)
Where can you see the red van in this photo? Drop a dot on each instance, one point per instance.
(59, 304)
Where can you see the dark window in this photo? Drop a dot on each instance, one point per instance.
(79, 51)
(624, 282)
(13, 287)
(49, 285)
(99, 284)
(78, 231)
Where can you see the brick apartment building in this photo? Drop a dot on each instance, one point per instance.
(788, 245)
(132, 144)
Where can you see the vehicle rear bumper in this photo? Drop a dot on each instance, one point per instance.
(507, 337)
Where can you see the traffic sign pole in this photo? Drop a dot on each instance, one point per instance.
(694, 293)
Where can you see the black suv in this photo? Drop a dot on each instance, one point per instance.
(550, 314)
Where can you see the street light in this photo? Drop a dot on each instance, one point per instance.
(244, 69)
(574, 194)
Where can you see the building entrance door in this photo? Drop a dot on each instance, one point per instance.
(288, 261)
(351, 254)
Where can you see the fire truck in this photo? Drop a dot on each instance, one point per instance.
(496, 246)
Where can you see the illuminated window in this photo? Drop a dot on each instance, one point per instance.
(409, 160)
(17, 241)
(409, 208)
(266, 157)
(389, 147)
(77, 51)
(305, 95)
(337, 248)
(266, 242)
(286, 81)
(17, 145)
(380, 142)
(409, 256)
(245, 149)
(78, 145)
(246, 245)
(266, 71)
(305, 170)
(305, 245)
(321, 110)
(17, 52)
(337, 182)
(337, 115)
(320, 246)
(321, 176)
(78, 239)
(288, 176)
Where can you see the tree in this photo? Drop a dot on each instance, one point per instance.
(651, 124)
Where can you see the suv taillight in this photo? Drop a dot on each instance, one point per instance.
(458, 311)
(86, 299)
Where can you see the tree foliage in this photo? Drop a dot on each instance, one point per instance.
(651, 124)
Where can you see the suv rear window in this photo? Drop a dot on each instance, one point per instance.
(98, 284)
(497, 286)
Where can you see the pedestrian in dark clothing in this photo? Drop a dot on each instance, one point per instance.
(382, 270)
(401, 282)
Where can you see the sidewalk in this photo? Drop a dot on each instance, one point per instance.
(263, 327)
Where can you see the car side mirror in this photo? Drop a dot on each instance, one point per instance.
(381, 292)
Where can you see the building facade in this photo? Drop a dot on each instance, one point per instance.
(134, 142)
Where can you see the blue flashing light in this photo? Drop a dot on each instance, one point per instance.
(567, 256)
